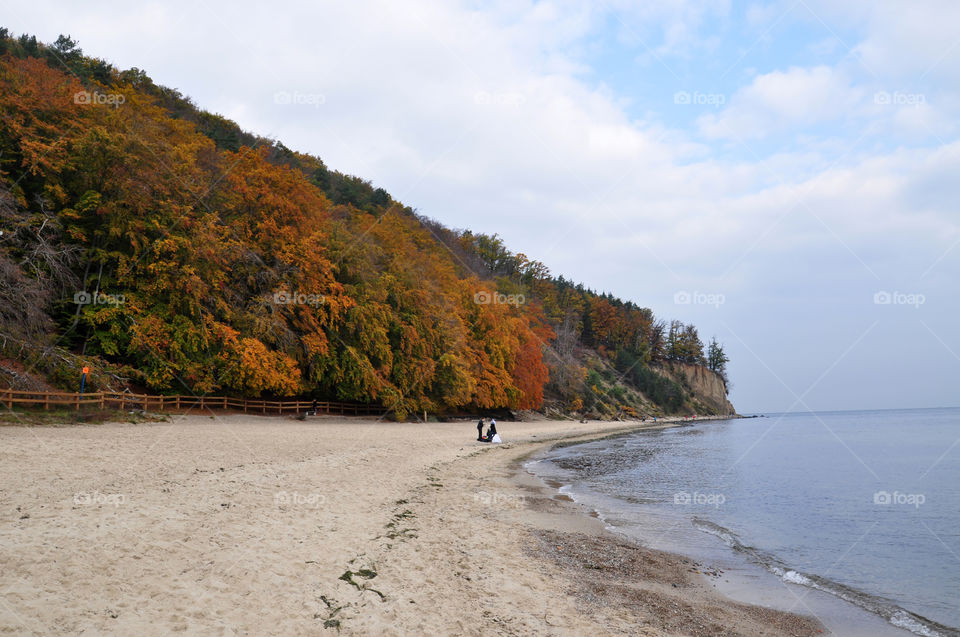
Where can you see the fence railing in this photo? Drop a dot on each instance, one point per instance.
(102, 400)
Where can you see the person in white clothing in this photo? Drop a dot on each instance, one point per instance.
(492, 435)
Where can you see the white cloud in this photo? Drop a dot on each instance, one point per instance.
(913, 40)
(783, 100)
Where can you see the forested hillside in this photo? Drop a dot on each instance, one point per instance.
(168, 250)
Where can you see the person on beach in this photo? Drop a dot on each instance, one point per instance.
(480, 430)
(492, 435)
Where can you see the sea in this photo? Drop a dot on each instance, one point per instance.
(850, 516)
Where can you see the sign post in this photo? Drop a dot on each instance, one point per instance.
(83, 379)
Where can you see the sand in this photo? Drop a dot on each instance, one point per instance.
(246, 525)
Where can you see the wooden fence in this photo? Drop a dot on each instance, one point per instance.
(102, 400)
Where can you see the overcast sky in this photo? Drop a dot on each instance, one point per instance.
(766, 171)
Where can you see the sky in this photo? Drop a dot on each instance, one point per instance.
(782, 174)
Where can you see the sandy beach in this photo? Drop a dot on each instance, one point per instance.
(245, 525)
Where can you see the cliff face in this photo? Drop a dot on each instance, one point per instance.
(709, 394)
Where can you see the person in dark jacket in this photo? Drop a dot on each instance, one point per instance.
(480, 430)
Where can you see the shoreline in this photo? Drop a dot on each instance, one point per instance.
(253, 525)
(839, 608)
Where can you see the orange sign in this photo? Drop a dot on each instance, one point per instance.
(86, 369)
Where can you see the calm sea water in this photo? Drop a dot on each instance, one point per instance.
(860, 506)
